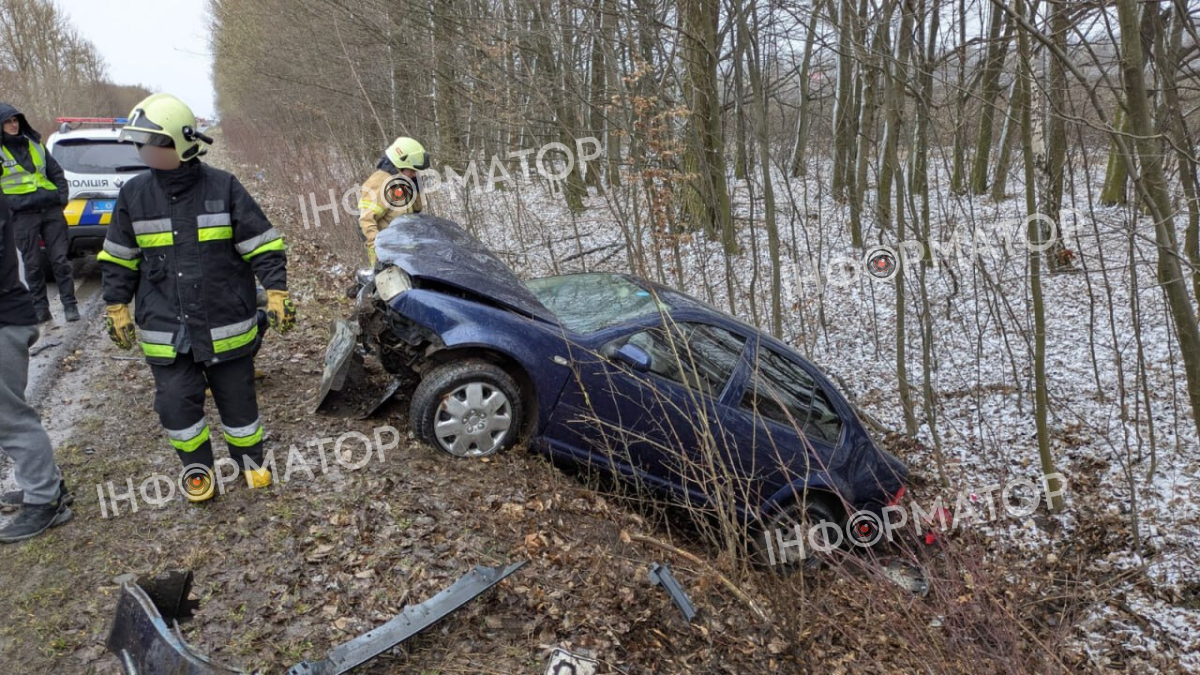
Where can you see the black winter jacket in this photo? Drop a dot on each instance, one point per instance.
(18, 146)
(185, 245)
(16, 303)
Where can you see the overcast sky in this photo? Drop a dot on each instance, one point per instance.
(160, 44)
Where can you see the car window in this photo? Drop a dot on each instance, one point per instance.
(697, 355)
(93, 156)
(784, 392)
(586, 303)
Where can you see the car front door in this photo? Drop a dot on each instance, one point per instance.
(649, 419)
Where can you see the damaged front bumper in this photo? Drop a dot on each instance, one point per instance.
(400, 345)
(147, 645)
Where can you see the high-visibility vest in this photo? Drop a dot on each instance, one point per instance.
(15, 180)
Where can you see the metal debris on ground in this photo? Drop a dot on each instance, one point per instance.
(146, 645)
(341, 360)
(412, 620)
(563, 662)
(660, 575)
(141, 638)
(386, 396)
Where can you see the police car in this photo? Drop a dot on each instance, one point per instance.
(95, 165)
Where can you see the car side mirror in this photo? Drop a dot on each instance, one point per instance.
(633, 356)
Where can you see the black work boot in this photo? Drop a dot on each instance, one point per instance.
(71, 312)
(43, 315)
(33, 520)
(10, 501)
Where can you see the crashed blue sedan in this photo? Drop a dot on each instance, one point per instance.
(610, 372)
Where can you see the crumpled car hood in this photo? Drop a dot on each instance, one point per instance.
(436, 249)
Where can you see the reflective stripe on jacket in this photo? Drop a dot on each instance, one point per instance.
(15, 179)
(374, 209)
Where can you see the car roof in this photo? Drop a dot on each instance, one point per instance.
(98, 134)
(677, 299)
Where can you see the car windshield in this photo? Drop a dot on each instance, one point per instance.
(586, 303)
(96, 156)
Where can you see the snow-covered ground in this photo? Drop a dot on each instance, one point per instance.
(982, 328)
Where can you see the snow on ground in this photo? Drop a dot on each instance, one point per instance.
(982, 327)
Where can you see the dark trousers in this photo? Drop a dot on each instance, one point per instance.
(179, 401)
(49, 226)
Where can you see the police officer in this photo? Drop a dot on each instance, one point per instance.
(186, 242)
(37, 191)
(392, 190)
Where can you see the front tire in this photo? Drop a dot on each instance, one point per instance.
(469, 409)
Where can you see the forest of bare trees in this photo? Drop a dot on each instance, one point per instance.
(706, 109)
(980, 219)
(1027, 167)
(48, 69)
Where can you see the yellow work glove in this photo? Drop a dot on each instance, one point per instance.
(281, 313)
(120, 326)
(371, 257)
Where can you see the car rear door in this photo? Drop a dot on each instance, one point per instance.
(779, 414)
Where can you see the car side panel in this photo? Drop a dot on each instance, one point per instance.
(636, 423)
(464, 323)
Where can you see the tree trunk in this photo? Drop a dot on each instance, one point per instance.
(450, 148)
(919, 180)
(870, 63)
(1012, 125)
(989, 88)
(1056, 135)
(764, 157)
(598, 94)
(563, 129)
(1170, 273)
(1032, 155)
(740, 155)
(842, 124)
(890, 176)
(1116, 175)
(706, 196)
(1171, 57)
(799, 167)
(958, 172)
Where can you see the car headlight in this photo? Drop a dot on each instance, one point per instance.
(391, 283)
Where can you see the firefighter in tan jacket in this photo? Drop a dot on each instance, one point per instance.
(392, 190)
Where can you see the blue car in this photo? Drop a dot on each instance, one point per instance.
(613, 372)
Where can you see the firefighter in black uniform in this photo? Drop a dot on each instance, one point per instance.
(185, 244)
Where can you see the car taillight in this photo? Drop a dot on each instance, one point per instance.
(897, 497)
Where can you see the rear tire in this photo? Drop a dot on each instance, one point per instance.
(816, 511)
(468, 409)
